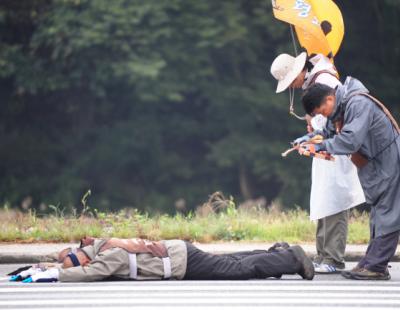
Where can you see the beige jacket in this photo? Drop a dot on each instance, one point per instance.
(115, 262)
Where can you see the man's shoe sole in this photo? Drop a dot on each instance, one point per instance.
(383, 278)
(354, 276)
(306, 263)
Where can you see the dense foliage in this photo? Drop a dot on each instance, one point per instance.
(148, 102)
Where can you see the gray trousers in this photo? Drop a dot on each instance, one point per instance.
(331, 237)
(379, 252)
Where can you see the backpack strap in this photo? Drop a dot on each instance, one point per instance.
(383, 108)
(359, 159)
(316, 75)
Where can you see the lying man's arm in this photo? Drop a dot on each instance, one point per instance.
(111, 262)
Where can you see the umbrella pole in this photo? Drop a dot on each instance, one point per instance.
(293, 39)
(291, 90)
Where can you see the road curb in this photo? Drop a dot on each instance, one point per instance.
(25, 258)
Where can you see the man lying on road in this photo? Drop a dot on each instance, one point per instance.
(139, 259)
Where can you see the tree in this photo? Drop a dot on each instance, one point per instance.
(145, 102)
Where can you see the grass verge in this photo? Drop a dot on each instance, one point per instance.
(253, 224)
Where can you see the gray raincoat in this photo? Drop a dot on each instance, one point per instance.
(368, 130)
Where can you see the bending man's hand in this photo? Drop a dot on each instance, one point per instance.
(301, 140)
(310, 136)
(50, 275)
(314, 148)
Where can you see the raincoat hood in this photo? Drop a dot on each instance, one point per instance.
(343, 95)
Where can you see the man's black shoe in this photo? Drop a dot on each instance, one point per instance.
(279, 246)
(307, 267)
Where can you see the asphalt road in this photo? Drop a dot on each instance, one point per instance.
(324, 292)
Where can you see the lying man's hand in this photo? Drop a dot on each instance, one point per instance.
(50, 275)
(25, 274)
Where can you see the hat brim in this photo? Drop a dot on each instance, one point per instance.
(292, 74)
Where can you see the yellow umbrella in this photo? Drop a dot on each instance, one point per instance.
(318, 23)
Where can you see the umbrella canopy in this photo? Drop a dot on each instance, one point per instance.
(318, 23)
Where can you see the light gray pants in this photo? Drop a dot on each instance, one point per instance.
(331, 237)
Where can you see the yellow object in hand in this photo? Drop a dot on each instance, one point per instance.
(316, 139)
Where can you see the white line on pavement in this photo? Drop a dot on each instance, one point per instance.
(202, 301)
(21, 288)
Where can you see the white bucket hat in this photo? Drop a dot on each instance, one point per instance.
(286, 68)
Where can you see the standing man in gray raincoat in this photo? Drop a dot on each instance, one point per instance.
(365, 130)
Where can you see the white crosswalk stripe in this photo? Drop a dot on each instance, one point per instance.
(272, 294)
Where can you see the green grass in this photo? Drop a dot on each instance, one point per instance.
(253, 224)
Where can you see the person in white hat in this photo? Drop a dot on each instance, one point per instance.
(335, 186)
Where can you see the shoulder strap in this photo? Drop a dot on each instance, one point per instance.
(316, 75)
(383, 108)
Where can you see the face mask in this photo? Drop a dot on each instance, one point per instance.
(318, 122)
